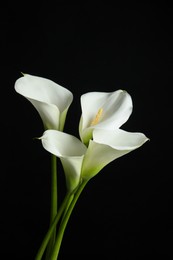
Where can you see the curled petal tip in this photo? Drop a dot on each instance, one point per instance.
(37, 138)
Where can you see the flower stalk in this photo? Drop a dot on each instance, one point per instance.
(53, 203)
(52, 227)
(57, 245)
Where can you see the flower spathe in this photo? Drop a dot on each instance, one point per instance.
(80, 162)
(106, 146)
(70, 150)
(102, 110)
(50, 99)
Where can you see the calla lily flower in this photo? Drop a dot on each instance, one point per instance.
(101, 110)
(50, 99)
(71, 152)
(80, 162)
(106, 146)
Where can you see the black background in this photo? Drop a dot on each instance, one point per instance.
(126, 210)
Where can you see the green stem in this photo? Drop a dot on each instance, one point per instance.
(54, 190)
(54, 201)
(57, 245)
(67, 207)
(48, 235)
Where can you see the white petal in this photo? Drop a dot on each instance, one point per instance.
(49, 98)
(49, 114)
(62, 144)
(72, 169)
(107, 146)
(90, 104)
(85, 134)
(70, 150)
(119, 139)
(116, 110)
(44, 90)
(116, 107)
(97, 156)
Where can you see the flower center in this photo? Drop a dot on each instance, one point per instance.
(97, 117)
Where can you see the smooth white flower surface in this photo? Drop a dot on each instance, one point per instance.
(50, 99)
(101, 110)
(106, 146)
(80, 162)
(70, 150)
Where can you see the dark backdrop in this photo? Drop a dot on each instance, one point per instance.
(126, 210)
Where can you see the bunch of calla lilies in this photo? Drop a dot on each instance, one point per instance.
(101, 141)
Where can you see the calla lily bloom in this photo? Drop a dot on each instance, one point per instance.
(71, 152)
(50, 99)
(80, 162)
(106, 146)
(101, 110)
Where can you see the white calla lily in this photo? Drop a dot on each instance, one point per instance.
(70, 150)
(108, 145)
(50, 99)
(103, 110)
